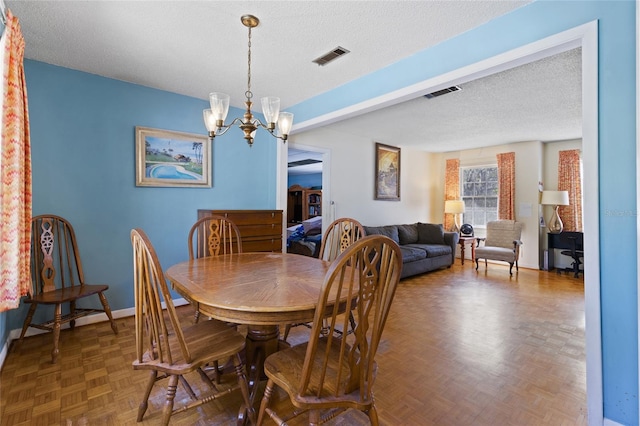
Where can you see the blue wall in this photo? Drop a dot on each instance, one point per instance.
(617, 147)
(306, 181)
(83, 153)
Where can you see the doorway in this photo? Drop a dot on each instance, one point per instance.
(585, 37)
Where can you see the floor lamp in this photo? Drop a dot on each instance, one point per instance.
(455, 207)
(557, 199)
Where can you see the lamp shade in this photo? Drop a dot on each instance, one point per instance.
(219, 105)
(454, 206)
(271, 108)
(555, 198)
(209, 120)
(285, 122)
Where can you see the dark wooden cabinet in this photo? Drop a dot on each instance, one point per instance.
(294, 205)
(302, 204)
(260, 230)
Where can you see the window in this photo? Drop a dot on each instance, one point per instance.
(479, 189)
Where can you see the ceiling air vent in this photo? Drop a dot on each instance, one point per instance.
(334, 54)
(442, 92)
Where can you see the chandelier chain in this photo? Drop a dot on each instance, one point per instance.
(249, 95)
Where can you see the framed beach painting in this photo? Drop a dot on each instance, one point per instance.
(387, 173)
(168, 159)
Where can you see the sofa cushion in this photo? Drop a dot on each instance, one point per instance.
(390, 231)
(408, 234)
(430, 233)
(432, 250)
(411, 254)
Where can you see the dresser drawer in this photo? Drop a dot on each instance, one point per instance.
(261, 230)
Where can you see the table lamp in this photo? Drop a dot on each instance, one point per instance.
(455, 207)
(557, 199)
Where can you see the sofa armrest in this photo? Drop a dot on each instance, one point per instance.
(516, 248)
(451, 239)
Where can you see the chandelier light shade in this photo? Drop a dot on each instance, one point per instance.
(214, 118)
(271, 108)
(557, 199)
(455, 207)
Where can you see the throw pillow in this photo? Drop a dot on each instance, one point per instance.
(408, 234)
(390, 231)
(430, 233)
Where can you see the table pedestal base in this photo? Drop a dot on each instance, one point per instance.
(262, 341)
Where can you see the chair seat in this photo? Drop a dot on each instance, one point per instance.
(67, 294)
(578, 254)
(198, 338)
(495, 253)
(284, 368)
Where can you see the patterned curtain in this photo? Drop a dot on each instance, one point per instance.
(507, 186)
(451, 188)
(15, 172)
(569, 179)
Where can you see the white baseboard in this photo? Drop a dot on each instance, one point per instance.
(89, 319)
(607, 422)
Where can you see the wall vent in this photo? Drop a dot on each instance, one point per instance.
(328, 57)
(442, 92)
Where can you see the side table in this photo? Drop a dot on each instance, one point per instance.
(463, 241)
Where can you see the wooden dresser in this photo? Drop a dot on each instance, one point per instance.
(261, 230)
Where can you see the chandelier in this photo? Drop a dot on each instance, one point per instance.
(214, 117)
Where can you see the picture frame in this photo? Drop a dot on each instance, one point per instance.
(166, 158)
(387, 173)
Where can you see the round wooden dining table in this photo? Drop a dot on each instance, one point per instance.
(261, 290)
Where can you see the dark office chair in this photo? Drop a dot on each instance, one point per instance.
(575, 242)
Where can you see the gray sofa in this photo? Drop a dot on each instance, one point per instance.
(425, 246)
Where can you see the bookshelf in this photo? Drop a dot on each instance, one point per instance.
(312, 203)
(302, 204)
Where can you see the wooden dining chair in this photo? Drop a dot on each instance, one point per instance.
(340, 234)
(329, 374)
(57, 278)
(212, 235)
(167, 349)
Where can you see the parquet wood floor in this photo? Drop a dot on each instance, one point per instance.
(460, 348)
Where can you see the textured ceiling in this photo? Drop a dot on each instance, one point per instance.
(541, 101)
(195, 47)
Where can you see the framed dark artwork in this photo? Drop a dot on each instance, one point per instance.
(387, 173)
(168, 159)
